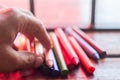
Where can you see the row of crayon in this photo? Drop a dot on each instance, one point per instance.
(75, 47)
(71, 47)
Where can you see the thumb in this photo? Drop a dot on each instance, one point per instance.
(11, 60)
(28, 59)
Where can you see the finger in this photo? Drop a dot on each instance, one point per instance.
(36, 29)
(38, 51)
(4, 10)
(11, 60)
(26, 12)
(49, 58)
(24, 44)
(27, 60)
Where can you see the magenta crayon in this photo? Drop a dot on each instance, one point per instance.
(59, 56)
(69, 64)
(67, 46)
(101, 52)
(85, 61)
(91, 52)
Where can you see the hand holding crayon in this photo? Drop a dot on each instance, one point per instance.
(68, 50)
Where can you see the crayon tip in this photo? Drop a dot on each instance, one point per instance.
(103, 54)
(96, 55)
(64, 73)
(75, 61)
(70, 67)
(91, 69)
(49, 63)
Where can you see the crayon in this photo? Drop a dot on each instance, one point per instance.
(59, 56)
(82, 55)
(49, 71)
(67, 46)
(48, 58)
(45, 69)
(39, 50)
(91, 52)
(69, 64)
(55, 71)
(101, 52)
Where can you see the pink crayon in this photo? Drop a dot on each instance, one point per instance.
(67, 46)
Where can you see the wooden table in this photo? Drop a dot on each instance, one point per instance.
(106, 69)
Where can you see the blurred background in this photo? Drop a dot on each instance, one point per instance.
(102, 17)
(102, 14)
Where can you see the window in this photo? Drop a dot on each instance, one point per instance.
(63, 13)
(24, 4)
(107, 14)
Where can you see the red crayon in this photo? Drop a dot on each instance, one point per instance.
(82, 55)
(69, 64)
(90, 41)
(67, 46)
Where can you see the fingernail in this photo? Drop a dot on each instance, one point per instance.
(49, 63)
(38, 62)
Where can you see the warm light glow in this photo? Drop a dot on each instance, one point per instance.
(21, 42)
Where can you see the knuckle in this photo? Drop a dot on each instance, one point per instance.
(30, 59)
